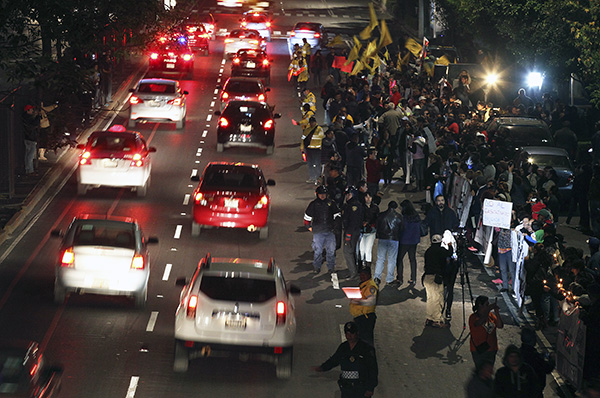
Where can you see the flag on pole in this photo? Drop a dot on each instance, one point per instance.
(385, 38)
(354, 51)
(358, 66)
(413, 46)
(369, 52)
(386, 55)
(366, 32)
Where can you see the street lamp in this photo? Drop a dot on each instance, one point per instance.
(492, 79)
(535, 79)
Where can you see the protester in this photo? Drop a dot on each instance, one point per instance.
(31, 126)
(481, 383)
(410, 236)
(367, 237)
(483, 323)
(440, 218)
(363, 309)
(436, 258)
(538, 363)
(387, 232)
(515, 379)
(352, 217)
(320, 218)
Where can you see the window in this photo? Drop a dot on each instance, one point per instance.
(113, 142)
(230, 179)
(104, 234)
(156, 88)
(238, 288)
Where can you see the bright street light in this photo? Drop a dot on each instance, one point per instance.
(535, 79)
(491, 79)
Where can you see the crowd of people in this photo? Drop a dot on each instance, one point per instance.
(399, 124)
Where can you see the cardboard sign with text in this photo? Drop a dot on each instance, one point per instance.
(497, 213)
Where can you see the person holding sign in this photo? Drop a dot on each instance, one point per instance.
(363, 308)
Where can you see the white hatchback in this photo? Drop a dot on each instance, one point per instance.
(157, 100)
(114, 158)
(258, 21)
(103, 255)
(239, 305)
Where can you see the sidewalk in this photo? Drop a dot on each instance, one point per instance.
(30, 189)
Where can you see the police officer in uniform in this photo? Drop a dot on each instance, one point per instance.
(352, 217)
(358, 364)
(363, 309)
(321, 217)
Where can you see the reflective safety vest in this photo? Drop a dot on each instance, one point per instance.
(367, 289)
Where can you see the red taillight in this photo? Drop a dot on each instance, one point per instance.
(133, 100)
(176, 102)
(137, 262)
(281, 312)
(85, 158)
(162, 39)
(68, 258)
(253, 42)
(317, 35)
(261, 97)
(268, 24)
(268, 124)
(137, 161)
(236, 60)
(34, 369)
(224, 95)
(262, 203)
(292, 33)
(265, 62)
(154, 55)
(223, 122)
(211, 26)
(228, 40)
(192, 304)
(199, 197)
(187, 57)
(244, 23)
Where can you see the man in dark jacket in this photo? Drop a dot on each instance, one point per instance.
(320, 217)
(358, 363)
(352, 217)
(436, 258)
(31, 127)
(516, 379)
(440, 218)
(388, 235)
(541, 366)
(355, 161)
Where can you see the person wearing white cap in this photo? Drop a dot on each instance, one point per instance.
(436, 258)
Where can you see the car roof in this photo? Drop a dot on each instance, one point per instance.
(545, 150)
(243, 79)
(135, 134)
(233, 264)
(104, 217)
(519, 121)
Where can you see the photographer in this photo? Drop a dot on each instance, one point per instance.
(483, 323)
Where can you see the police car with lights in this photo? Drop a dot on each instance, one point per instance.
(236, 305)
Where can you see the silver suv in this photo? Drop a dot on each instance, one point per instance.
(236, 305)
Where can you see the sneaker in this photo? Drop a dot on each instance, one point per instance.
(448, 316)
(377, 281)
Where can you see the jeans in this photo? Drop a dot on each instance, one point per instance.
(506, 265)
(313, 160)
(419, 169)
(549, 307)
(386, 248)
(30, 148)
(412, 256)
(365, 247)
(350, 253)
(435, 298)
(324, 240)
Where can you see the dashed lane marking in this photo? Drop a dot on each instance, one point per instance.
(194, 173)
(132, 386)
(335, 281)
(204, 133)
(212, 104)
(167, 272)
(208, 118)
(223, 61)
(199, 152)
(152, 321)
(343, 335)
(345, 16)
(178, 231)
(186, 199)
(216, 91)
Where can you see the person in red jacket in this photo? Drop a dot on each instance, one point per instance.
(374, 168)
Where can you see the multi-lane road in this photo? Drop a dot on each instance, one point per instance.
(110, 349)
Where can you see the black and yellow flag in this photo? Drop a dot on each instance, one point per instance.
(366, 32)
(385, 38)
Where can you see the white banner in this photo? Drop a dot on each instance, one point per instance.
(497, 213)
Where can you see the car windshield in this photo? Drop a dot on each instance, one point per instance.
(104, 233)
(113, 142)
(238, 289)
(550, 160)
(528, 135)
(230, 179)
(244, 34)
(157, 88)
(13, 378)
(195, 29)
(237, 86)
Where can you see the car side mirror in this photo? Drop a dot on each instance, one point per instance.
(217, 113)
(151, 149)
(267, 89)
(270, 182)
(277, 116)
(152, 240)
(80, 146)
(57, 233)
(294, 290)
(181, 281)
(185, 92)
(195, 178)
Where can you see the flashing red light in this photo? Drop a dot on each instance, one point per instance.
(68, 258)
(211, 26)
(292, 33)
(187, 57)
(223, 122)
(137, 161)
(268, 24)
(280, 310)
(261, 97)
(137, 262)
(198, 197)
(244, 23)
(262, 203)
(134, 100)
(224, 96)
(269, 124)
(236, 60)
(191, 306)
(265, 62)
(154, 56)
(85, 157)
(162, 39)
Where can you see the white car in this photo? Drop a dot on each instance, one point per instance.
(258, 21)
(311, 31)
(157, 100)
(243, 39)
(114, 158)
(240, 305)
(103, 255)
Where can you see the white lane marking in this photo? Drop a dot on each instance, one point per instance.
(208, 118)
(182, 213)
(311, 15)
(167, 272)
(204, 133)
(322, 15)
(223, 61)
(178, 231)
(287, 14)
(199, 152)
(197, 162)
(335, 281)
(220, 70)
(343, 335)
(202, 141)
(132, 386)
(345, 16)
(216, 91)
(152, 321)
(194, 172)
(186, 199)
(219, 80)
(212, 104)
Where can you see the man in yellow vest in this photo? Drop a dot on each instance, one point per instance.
(310, 144)
(363, 309)
(309, 98)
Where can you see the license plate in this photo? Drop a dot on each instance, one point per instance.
(245, 128)
(154, 103)
(235, 323)
(100, 283)
(170, 66)
(231, 203)
(251, 64)
(110, 162)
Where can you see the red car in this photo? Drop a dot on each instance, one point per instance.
(232, 195)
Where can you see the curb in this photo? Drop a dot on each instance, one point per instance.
(48, 180)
